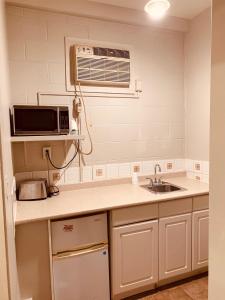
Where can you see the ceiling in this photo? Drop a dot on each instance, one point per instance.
(186, 9)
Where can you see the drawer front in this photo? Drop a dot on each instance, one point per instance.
(175, 207)
(134, 214)
(200, 202)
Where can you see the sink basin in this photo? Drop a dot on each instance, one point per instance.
(164, 187)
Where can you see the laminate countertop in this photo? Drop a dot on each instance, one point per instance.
(102, 198)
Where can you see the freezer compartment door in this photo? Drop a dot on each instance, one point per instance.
(72, 234)
(82, 275)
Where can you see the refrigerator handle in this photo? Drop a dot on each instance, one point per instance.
(90, 249)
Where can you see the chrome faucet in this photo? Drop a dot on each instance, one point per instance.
(159, 167)
(156, 181)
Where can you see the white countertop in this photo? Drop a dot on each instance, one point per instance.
(102, 198)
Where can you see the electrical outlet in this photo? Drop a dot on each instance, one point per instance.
(44, 150)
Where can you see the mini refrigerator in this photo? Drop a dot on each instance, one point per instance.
(80, 262)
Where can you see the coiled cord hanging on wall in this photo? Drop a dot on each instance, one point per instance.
(86, 124)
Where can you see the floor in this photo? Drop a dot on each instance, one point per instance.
(193, 290)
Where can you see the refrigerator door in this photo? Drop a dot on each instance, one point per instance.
(72, 234)
(82, 275)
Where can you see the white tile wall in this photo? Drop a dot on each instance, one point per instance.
(198, 170)
(123, 130)
(123, 170)
(72, 175)
(87, 175)
(99, 172)
(112, 171)
(57, 177)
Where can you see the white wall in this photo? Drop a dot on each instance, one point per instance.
(123, 130)
(197, 86)
(6, 166)
(103, 11)
(217, 157)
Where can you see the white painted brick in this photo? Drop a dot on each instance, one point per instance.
(177, 130)
(130, 125)
(56, 73)
(44, 51)
(16, 49)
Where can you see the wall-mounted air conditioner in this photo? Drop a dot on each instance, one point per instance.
(98, 66)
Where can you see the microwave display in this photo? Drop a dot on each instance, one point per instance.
(40, 120)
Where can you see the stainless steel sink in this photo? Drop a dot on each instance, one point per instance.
(164, 187)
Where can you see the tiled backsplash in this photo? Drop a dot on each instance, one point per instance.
(198, 170)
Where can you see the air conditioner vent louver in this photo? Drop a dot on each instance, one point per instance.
(95, 69)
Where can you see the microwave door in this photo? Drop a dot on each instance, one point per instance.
(36, 121)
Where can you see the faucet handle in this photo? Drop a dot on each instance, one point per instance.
(151, 181)
(160, 180)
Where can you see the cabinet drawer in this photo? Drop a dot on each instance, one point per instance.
(134, 214)
(200, 202)
(175, 207)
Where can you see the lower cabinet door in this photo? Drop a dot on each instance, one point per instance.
(200, 238)
(134, 256)
(174, 246)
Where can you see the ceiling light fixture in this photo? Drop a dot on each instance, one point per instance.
(157, 8)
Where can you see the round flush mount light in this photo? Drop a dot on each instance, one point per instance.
(157, 8)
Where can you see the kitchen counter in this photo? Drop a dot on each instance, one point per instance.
(102, 198)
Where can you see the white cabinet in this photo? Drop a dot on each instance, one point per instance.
(174, 246)
(200, 232)
(134, 256)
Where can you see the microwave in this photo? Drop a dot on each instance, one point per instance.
(39, 120)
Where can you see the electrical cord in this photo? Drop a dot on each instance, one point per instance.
(63, 167)
(86, 124)
(53, 190)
